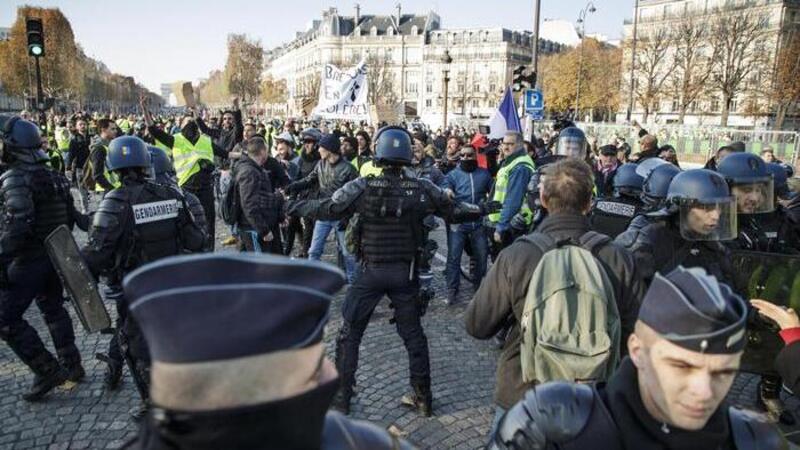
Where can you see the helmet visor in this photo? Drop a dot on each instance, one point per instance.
(712, 221)
(570, 146)
(754, 197)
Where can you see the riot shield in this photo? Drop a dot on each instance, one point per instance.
(77, 280)
(773, 277)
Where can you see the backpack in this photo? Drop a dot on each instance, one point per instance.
(570, 325)
(229, 208)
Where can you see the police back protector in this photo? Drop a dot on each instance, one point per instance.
(391, 216)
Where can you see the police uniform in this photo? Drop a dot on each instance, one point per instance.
(139, 222)
(765, 229)
(34, 201)
(664, 244)
(268, 385)
(687, 308)
(611, 215)
(391, 208)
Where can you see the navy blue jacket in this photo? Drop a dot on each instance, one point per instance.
(471, 187)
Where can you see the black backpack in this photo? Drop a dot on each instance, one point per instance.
(229, 209)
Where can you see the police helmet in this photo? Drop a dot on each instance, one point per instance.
(127, 152)
(752, 183)
(655, 186)
(161, 168)
(780, 178)
(393, 146)
(21, 138)
(707, 209)
(571, 143)
(311, 133)
(627, 181)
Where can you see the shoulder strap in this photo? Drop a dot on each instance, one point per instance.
(592, 241)
(542, 241)
(749, 432)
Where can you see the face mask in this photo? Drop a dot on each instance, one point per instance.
(469, 165)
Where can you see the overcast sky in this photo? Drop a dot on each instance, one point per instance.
(159, 41)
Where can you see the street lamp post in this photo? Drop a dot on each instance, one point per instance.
(446, 60)
(589, 8)
(633, 60)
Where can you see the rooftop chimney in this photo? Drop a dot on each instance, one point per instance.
(358, 15)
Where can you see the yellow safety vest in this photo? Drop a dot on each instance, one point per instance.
(110, 176)
(62, 139)
(187, 157)
(124, 125)
(369, 168)
(502, 183)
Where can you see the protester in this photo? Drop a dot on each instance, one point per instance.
(604, 170)
(566, 192)
(467, 183)
(259, 210)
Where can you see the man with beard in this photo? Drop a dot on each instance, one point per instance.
(78, 154)
(305, 162)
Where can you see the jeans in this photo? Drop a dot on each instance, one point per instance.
(459, 235)
(499, 412)
(321, 231)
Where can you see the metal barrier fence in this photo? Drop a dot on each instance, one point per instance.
(693, 142)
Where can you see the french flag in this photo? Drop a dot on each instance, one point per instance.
(505, 118)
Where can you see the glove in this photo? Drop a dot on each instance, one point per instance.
(491, 207)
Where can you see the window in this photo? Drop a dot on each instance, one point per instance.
(476, 87)
(492, 87)
(428, 88)
(428, 103)
(460, 87)
(411, 87)
(476, 104)
(714, 104)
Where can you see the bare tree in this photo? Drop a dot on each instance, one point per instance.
(652, 68)
(785, 90)
(380, 79)
(735, 37)
(691, 71)
(244, 66)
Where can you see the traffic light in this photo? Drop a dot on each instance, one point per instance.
(521, 80)
(35, 33)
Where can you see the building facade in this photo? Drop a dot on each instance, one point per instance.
(750, 106)
(404, 56)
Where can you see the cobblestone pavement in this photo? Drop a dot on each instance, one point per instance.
(85, 416)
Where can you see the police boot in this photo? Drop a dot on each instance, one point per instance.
(769, 400)
(48, 374)
(341, 401)
(421, 399)
(74, 369)
(113, 376)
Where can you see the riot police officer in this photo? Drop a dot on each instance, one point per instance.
(34, 201)
(611, 215)
(390, 209)
(699, 213)
(571, 143)
(654, 194)
(762, 228)
(138, 222)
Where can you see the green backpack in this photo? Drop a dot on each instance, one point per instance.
(570, 325)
